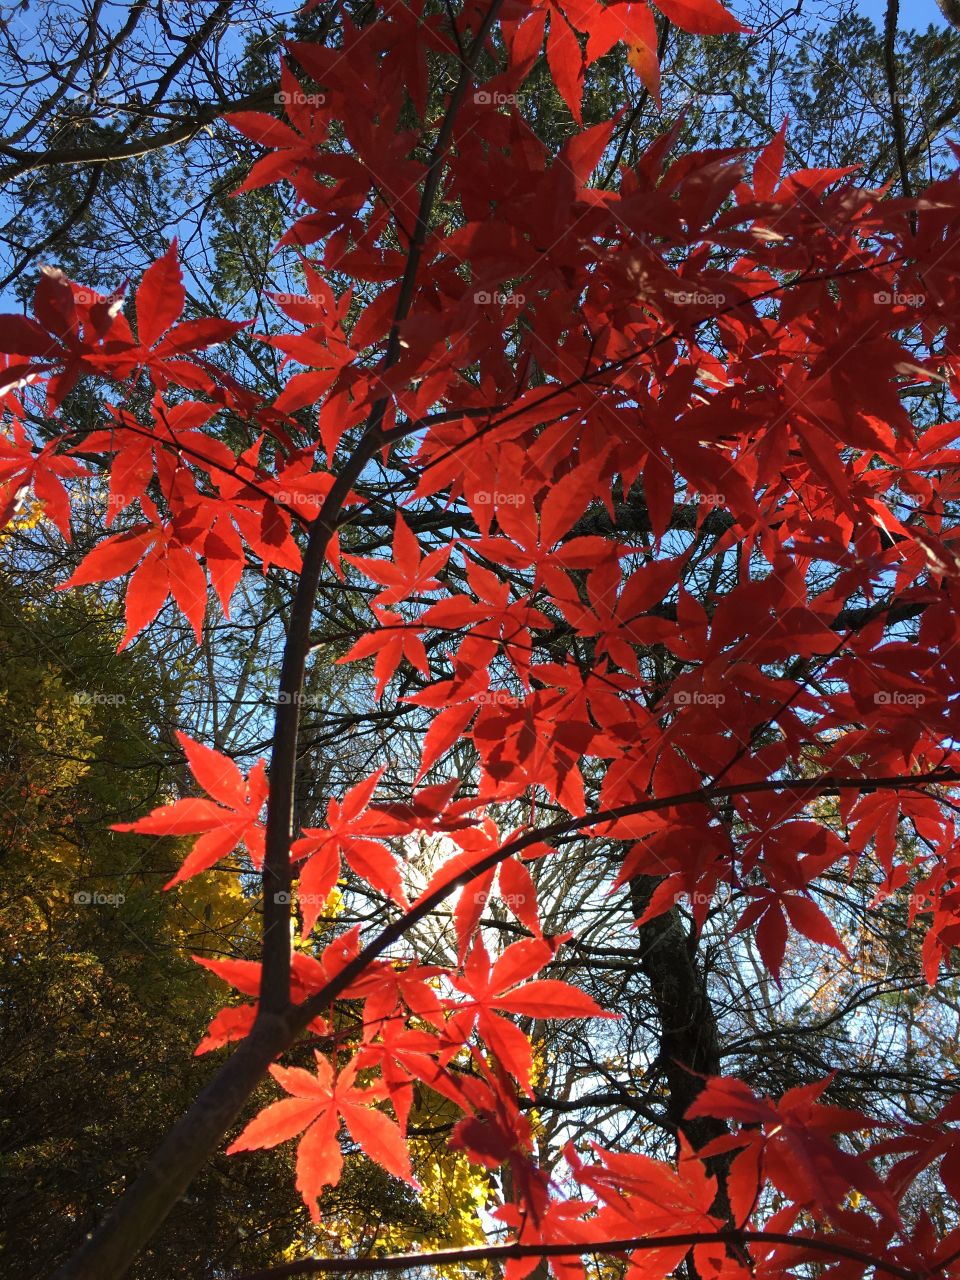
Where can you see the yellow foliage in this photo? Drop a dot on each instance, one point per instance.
(28, 516)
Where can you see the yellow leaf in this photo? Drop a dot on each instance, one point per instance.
(644, 62)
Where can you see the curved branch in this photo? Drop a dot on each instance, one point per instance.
(633, 1244)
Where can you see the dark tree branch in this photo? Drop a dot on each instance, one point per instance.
(30, 161)
(896, 107)
(444, 1257)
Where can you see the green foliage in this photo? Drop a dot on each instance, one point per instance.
(100, 1004)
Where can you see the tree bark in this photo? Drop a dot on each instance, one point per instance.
(689, 1041)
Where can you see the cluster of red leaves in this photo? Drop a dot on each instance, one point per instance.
(229, 819)
(788, 420)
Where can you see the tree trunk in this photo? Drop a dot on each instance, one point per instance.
(689, 1044)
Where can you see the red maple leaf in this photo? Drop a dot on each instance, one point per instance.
(408, 573)
(308, 976)
(229, 819)
(346, 833)
(494, 990)
(394, 640)
(22, 464)
(794, 1140)
(495, 619)
(316, 1107)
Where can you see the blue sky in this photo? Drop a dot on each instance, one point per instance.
(913, 13)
